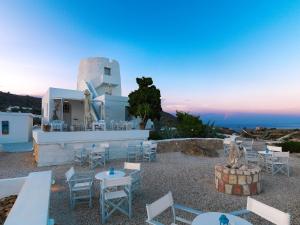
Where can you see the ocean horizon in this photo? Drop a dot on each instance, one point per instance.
(238, 121)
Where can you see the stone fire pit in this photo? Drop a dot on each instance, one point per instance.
(242, 181)
(237, 177)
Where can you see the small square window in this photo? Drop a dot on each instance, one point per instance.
(107, 71)
(5, 127)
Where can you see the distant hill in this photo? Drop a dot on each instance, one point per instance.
(25, 103)
(166, 120)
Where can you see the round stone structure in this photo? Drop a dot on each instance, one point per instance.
(243, 181)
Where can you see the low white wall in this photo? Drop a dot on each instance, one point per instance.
(32, 204)
(185, 139)
(19, 127)
(11, 186)
(55, 148)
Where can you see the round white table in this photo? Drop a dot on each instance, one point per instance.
(106, 175)
(212, 218)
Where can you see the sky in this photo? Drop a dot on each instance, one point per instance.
(204, 56)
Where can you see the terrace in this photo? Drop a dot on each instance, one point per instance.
(191, 179)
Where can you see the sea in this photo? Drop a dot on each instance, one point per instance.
(238, 121)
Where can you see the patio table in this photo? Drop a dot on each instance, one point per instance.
(212, 218)
(105, 175)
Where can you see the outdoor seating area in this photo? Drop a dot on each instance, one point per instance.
(269, 158)
(172, 189)
(100, 125)
(146, 151)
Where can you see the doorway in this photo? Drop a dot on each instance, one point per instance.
(67, 113)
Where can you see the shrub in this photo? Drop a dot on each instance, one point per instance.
(290, 146)
(154, 135)
(189, 126)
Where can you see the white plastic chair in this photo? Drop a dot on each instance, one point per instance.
(57, 125)
(159, 206)
(274, 148)
(251, 156)
(100, 125)
(267, 212)
(106, 147)
(149, 151)
(115, 196)
(80, 156)
(133, 152)
(248, 144)
(278, 162)
(80, 186)
(97, 157)
(135, 174)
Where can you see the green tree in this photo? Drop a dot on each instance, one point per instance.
(188, 125)
(145, 102)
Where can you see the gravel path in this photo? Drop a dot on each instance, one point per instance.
(191, 180)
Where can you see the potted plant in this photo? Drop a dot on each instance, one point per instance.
(46, 127)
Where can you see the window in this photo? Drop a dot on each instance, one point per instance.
(66, 107)
(5, 127)
(107, 71)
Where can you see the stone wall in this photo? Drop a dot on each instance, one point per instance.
(195, 146)
(238, 181)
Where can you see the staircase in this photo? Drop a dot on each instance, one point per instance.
(94, 111)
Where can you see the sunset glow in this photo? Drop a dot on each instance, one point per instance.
(236, 58)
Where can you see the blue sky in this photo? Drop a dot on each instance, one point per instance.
(205, 56)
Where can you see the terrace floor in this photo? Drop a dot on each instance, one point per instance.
(191, 180)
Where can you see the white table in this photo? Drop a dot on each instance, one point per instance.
(105, 175)
(212, 218)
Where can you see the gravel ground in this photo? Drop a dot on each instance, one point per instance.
(191, 180)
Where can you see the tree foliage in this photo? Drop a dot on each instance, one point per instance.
(189, 126)
(145, 102)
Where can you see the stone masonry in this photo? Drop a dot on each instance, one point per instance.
(238, 181)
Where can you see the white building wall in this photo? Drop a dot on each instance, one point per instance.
(48, 104)
(20, 127)
(77, 111)
(55, 148)
(45, 107)
(114, 107)
(92, 70)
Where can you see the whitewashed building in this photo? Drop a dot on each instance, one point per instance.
(15, 127)
(75, 114)
(101, 77)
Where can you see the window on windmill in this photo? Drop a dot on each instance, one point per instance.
(107, 71)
